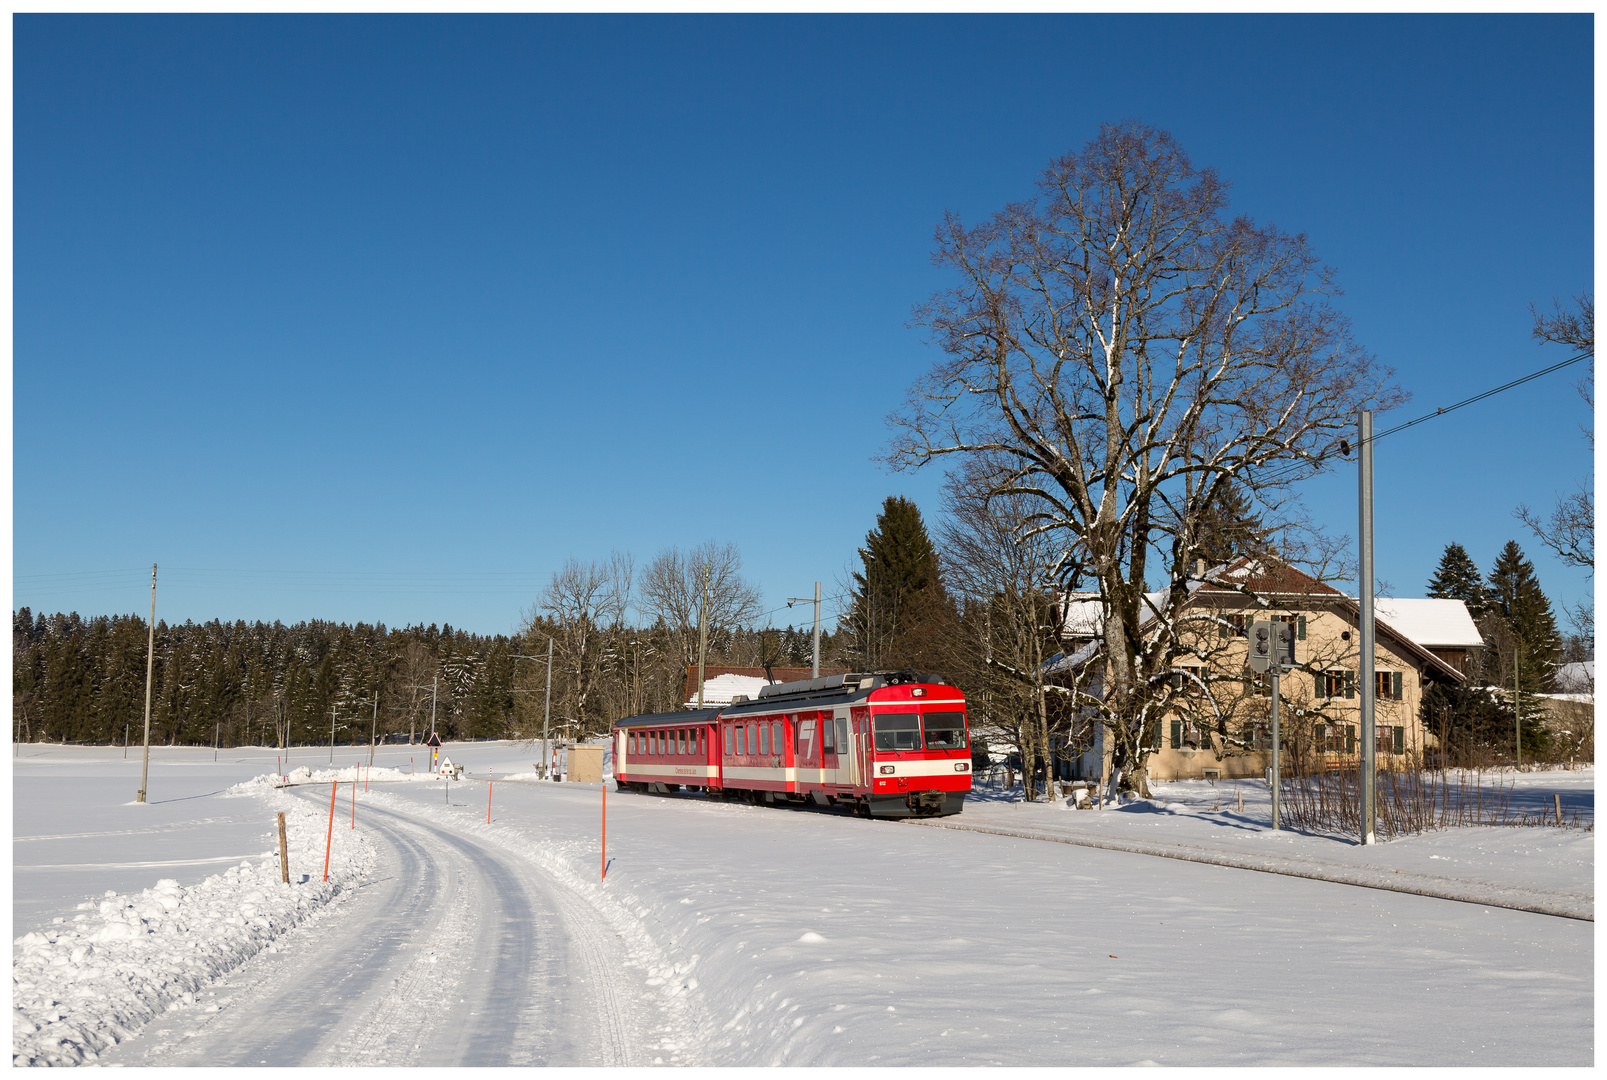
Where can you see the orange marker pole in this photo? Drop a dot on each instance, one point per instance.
(605, 833)
(329, 841)
(365, 778)
(490, 785)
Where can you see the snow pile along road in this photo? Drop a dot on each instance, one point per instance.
(84, 985)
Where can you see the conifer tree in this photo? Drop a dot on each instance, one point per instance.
(900, 577)
(1457, 578)
(1229, 527)
(1522, 611)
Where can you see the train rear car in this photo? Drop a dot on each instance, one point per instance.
(667, 751)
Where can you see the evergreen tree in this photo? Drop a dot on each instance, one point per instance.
(900, 579)
(1229, 527)
(1457, 578)
(1520, 609)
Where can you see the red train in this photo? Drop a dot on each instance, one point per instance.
(892, 744)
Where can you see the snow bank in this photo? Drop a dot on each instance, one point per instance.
(86, 984)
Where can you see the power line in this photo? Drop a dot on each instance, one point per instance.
(1343, 447)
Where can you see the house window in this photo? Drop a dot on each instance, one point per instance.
(1184, 679)
(1233, 626)
(1338, 684)
(1296, 621)
(1185, 734)
(1389, 685)
(1257, 736)
(1391, 739)
(1336, 738)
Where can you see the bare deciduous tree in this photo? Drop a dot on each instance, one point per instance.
(672, 592)
(582, 602)
(1126, 348)
(1570, 530)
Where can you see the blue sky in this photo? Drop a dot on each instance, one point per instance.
(384, 318)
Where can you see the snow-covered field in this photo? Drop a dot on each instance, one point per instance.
(735, 935)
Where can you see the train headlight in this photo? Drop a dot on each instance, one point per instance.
(886, 770)
(962, 766)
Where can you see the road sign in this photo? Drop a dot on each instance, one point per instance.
(433, 740)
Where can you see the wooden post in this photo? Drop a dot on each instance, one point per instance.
(329, 841)
(284, 852)
(1241, 800)
(1557, 801)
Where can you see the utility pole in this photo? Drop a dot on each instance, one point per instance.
(331, 734)
(373, 730)
(1369, 745)
(814, 670)
(435, 684)
(546, 718)
(150, 666)
(702, 634)
(1517, 725)
(215, 725)
(1277, 776)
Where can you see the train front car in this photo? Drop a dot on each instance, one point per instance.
(889, 744)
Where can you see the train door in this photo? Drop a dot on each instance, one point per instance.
(849, 769)
(830, 753)
(860, 722)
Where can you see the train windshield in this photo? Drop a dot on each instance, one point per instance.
(898, 731)
(945, 730)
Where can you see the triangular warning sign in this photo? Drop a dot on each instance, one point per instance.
(433, 740)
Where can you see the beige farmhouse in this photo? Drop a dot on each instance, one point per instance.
(1219, 722)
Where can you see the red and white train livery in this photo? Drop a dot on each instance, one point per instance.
(892, 744)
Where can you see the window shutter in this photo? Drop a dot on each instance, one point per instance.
(1350, 684)
(1395, 686)
(1177, 734)
(1350, 738)
(1300, 628)
(1400, 739)
(1223, 631)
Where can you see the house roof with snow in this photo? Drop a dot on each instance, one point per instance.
(722, 689)
(1431, 623)
(1576, 678)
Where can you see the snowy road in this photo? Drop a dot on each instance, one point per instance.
(448, 956)
(734, 935)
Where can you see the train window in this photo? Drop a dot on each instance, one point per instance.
(728, 740)
(826, 745)
(742, 738)
(703, 743)
(843, 745)
(680, 742)
(764, 738)
(775, 736)
(945, 730)
(898, 731)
